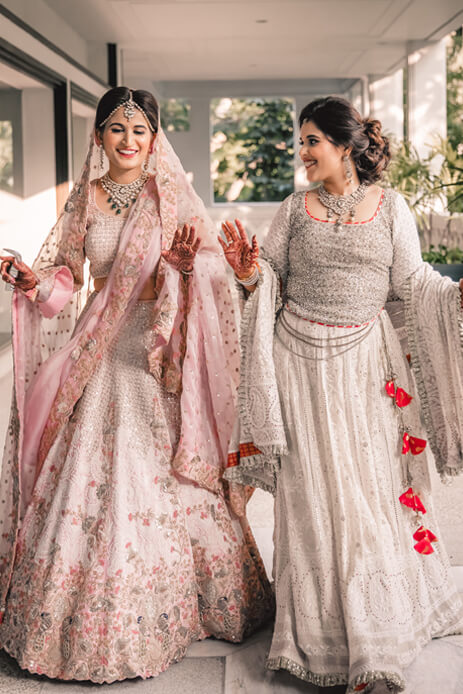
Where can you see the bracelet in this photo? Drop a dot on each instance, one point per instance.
(186, 272)
(251, 280)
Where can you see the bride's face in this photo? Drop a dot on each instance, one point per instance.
(127, 142)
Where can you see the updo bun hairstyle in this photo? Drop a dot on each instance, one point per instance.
(114, 98)
(344, 126)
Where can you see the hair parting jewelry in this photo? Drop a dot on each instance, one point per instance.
(128, 107)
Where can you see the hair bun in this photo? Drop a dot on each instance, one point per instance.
(373, 130)
(344, 126)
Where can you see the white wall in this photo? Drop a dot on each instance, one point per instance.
(43, 19)
(427, 96)
(386, 102)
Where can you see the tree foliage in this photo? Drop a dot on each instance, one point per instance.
(6, 155)
(252, 149)
(455, 90)
(175, 115)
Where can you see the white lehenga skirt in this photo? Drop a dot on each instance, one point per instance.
(120, 563)
(355, 601)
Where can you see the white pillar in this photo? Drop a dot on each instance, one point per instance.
(427, 96)
(386, 103)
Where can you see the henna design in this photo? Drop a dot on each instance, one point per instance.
(240, 254)
(182, 252)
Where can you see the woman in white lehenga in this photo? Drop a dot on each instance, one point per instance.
(120, 544)
(330, 413)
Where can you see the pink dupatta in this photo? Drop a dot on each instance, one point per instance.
(193, 348)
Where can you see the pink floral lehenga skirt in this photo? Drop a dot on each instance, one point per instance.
(120, 563)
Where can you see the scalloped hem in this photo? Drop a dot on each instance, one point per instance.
(393, 682)
(35, 669)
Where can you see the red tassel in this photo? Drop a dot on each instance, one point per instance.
(412, 444)
(418, 504)
(390, 389)
(424, 534)
(402, 399)
(417, 446)
(424, 547)
(412, 500)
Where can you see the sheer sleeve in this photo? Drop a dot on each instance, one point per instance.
(276, 244)
(406, 245)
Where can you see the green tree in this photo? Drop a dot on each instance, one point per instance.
(252, 149)
(6, 155)
(175, 115)
(455, 91)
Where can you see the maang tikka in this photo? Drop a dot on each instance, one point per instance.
(129, 108)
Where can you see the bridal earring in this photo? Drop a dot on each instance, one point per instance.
(348, 168)
(101, 157)
(146, 162)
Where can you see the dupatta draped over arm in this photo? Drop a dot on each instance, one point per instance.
(434, 329)
(192, 347)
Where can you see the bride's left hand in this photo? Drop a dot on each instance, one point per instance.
(182, 252)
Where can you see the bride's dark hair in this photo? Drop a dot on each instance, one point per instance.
(344, 126)
(118, 95)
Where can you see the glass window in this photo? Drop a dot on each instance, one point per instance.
(252, 149)
(175, 115)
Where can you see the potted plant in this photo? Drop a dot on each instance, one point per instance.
(447, 261)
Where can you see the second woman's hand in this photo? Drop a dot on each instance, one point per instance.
(240, 254)
(181, 254)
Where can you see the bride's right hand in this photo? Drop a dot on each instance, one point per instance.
(240, 254)
(25, 280)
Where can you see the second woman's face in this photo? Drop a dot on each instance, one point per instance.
(321, 158)
(127, 142)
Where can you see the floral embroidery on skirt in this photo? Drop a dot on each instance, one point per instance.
(120, 563)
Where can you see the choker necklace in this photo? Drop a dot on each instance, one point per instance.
(340, 205)
(121, 195)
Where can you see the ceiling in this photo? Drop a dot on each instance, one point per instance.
(186, 40)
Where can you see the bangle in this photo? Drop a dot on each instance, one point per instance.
(186, 272)
(252, 279)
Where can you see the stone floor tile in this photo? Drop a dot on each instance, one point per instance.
(13, 680)
(189, 676)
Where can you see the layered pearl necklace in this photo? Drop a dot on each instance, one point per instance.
(122, 195)
(341, 205)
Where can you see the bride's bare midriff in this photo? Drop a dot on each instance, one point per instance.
(146, 294)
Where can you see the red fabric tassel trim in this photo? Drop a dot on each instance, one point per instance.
(412, 444)
(424, 547)
(424, 534)
(412, 500)
(401, 397)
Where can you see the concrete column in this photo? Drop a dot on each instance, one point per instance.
(386, 102)
(427, 96)
(356, 96)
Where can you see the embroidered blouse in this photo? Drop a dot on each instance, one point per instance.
(342, 276)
